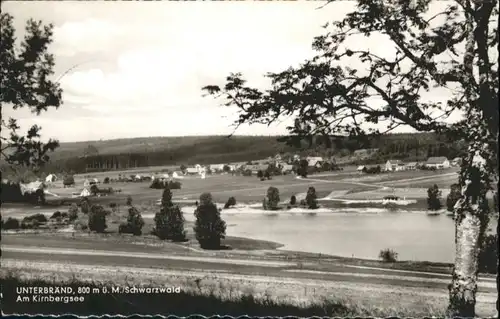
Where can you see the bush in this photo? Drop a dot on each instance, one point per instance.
(85, 205)
(273, 198)
(302, 169)
(56, 215)
(106, 180)
(209, 227)
(488, 255)
(68, 180)
(169, 222)
(453, 197)
(134, 223)
(40, 218)
(112, 205)
(94, 190)
(433, 198)
(388, 255)
(174, 185)
(129, 201)
(230, 202)
(260, 174)
(247, 172)
(311, 198)
(183, 168)
(11, 223)
(303, 203)
(293, 200)
(267, 175)
(73, 212)
(97, 219)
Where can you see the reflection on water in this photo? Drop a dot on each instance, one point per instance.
(414, 236)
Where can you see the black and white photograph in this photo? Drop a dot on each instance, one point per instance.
(250, 158)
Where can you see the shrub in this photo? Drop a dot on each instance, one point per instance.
(97, 219)
(433, 198)
(134, 223)
(226, 168)
(112, 205)
(169, 221)
(388, 255)
(73, 212)
(85, 205)
(68, 180)
(174, 185)
(106, 180)
(488, 255)
(94, 190)
(57, 214)
(311, 198)
(303, 203)
(183, 168)
(293, 200)
(129, 201)
(231, 201)
(267, 175)
(209, 227)
(453, 197)
(260, 174)
(40, 218)
(11, 223)
(246, 172)
(302, 169)
(273, 198)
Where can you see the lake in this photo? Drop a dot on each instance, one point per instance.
(412, 234)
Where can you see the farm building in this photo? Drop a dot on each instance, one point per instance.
(217, 167)
(411, 165)
(314, 161)
(456, 161)
(192, 171)
(257, 167)
(360, 168)
(438, 162)
(287, 168)
(50, 178)
(394, 165)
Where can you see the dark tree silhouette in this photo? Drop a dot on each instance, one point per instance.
(451, 49)
(25, 82)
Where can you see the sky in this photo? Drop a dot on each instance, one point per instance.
(136, 69)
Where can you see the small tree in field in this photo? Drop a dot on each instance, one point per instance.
(302, 168)
(85, 205)
(73, 212)
(230, 202)
(311, 198)
(260, 174)
(267, 175)
(134, 223)
(183, 168)
(129, 201)
(97, 219)
(433, 198)
(209, 227)
(293, 200)
(169, 221)
(453, 197)
(273, 198)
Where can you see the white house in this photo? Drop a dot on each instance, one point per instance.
(411, 166)
(314, 161)
(217, 167)
(192, 171)
(50, 178)
(438, 162)
(360, 168)
(394, 165)
(287, 168)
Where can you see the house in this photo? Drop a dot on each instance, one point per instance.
(192, 171)
(257, 167)
(438, 162)
(217, 167)
(286, 168)
(314, 161)
(177, 175)
(394, 165)
(411, 165)
(50, 178)
(85, 192)
(456, 161)
(360, 168)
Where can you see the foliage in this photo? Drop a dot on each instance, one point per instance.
(246, 172)
(293, 200)
(11, 223)
(169, 221)
(68, 180)
(97, 219)
(488, 255)
(25, 82)
(302, 169)
(272, 198)
(311, 198)
(388, 255)
(452, 198)
(73, 212)
(433, 198)
(85, 205)
(183, 168)
(161, 184)
(106, 180)
(260, 174)
(267, 175)
(209, 227)
(231, 201)
(33, 221)
(226, 168)
(94, 190)
(129, 201)
(134, 223)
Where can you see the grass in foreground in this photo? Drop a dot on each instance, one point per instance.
(181, 304)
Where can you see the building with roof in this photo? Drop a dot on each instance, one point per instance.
(440, 162)
(394, 165)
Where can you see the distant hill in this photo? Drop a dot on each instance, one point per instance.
(189, 150)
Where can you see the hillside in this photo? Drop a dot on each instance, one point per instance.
(189, 150)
